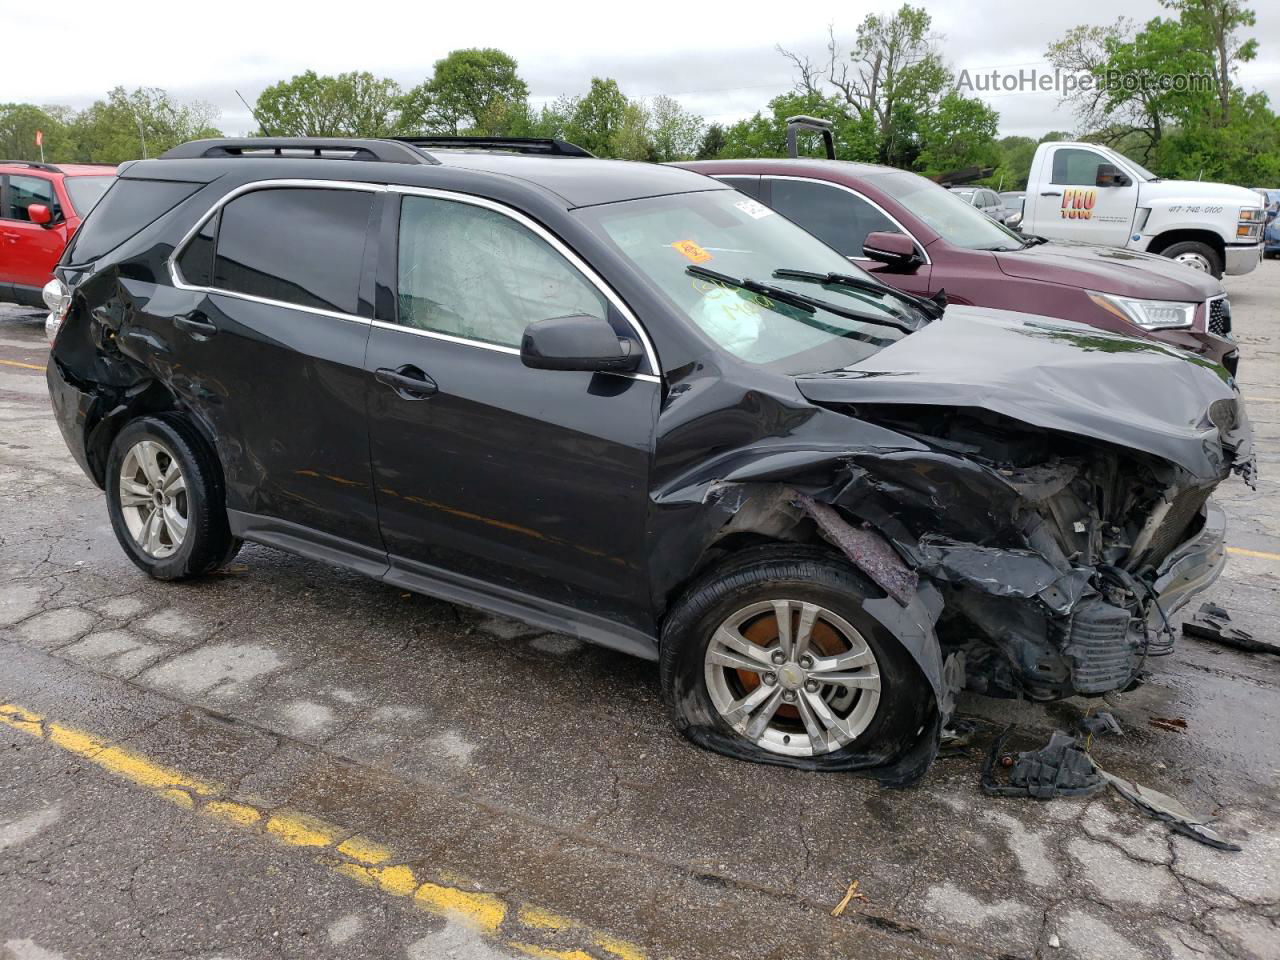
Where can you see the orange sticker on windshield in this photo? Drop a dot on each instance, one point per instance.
(692, 251)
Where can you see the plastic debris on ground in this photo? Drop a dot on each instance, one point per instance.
(1061, 768)
(1212, 622)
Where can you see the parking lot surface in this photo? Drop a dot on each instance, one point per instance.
(287, 760)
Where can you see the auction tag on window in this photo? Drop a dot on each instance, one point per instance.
(753, 209)
(692, 251)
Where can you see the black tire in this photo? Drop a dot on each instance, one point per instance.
(207, 543)
(802, 573)
(1196, 248)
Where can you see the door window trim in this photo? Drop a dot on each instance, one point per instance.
(175, 275)
(887, 215)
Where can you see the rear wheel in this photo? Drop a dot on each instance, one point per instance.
(1197, 255)
(772, 658)
(165, 499)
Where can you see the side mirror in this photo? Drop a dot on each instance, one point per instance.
(40, 213)
(577, 343)
(1109, 175)
(895, 249)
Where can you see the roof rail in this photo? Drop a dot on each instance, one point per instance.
(539, 146)
(815, 124)
(324, 148)
(33, 164)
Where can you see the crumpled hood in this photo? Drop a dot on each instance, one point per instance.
(1129, 273)
(1058, 375)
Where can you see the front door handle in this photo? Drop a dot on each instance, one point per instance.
(408, 382)
(1051, 193)
(196, 324)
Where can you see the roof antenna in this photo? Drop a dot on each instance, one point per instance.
(254, 113)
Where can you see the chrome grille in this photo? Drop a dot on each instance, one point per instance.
(1220, 316)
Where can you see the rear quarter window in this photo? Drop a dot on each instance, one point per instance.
(299, 246)
(128, 207)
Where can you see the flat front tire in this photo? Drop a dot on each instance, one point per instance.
(164, 496)
(771, 657)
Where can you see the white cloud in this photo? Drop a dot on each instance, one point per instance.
(718, 60)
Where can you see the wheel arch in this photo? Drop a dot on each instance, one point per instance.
(1168, 238)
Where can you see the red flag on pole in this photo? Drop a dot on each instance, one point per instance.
(39, 138)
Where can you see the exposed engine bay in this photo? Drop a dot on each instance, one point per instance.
(1051, 572)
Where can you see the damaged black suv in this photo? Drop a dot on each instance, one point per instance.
(628, 403)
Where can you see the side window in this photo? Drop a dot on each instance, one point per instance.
(195, 263)
(24, 191)
(300, 246)
(471, 272)
(837, 217)
(748, 185)
(1074, 167)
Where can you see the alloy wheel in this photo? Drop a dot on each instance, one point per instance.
(153, 498)
(792, 677)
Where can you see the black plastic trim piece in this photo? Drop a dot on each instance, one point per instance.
(540, 146)
(296, 148)
(442, 584)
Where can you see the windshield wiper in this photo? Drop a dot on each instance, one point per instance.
(1031, 240)
(931, 307)
(798, 300)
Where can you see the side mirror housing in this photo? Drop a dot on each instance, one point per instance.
(895, 249)
(578, 343)
(1109, 175)
(40, 213)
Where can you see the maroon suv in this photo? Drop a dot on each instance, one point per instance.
(921, 238)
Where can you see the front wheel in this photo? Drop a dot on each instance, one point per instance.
(165, 499)
(1196, 255)
(772, 658)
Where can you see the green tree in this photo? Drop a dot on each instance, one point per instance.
(474, 91)
(19, 123)
(765, 133)
(1215, 23)
(712, 143)
(676, 134)
(887, 89)
(632, 139)
(146, 122)
(959, 132)
(594, 120)
(356, 104)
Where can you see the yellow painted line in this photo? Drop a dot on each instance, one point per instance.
(24, 366)
(523, 927)
(1258, 554)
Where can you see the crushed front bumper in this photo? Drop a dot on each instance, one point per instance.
(1191, 567)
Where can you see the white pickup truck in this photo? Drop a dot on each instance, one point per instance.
(1085, 192)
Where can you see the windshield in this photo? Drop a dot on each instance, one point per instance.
(85, 192)
(726, 233)
(956, 220)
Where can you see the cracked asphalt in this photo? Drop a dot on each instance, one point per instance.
(520, 776)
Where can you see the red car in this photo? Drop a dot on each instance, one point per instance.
(41, 207)
(922, 238)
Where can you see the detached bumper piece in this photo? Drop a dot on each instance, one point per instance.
(1061, 768)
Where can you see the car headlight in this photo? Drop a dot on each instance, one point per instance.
(1250, 213)
(1148, 314)
(57, 298)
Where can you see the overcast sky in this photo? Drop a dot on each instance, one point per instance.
(717, 59)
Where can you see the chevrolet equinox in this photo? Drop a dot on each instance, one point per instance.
(628, 403)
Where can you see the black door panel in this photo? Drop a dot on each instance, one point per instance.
(285, 397)
(532, 480)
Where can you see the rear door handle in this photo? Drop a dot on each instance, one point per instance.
(196, 324)
(408, 382)
(1050, 193)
